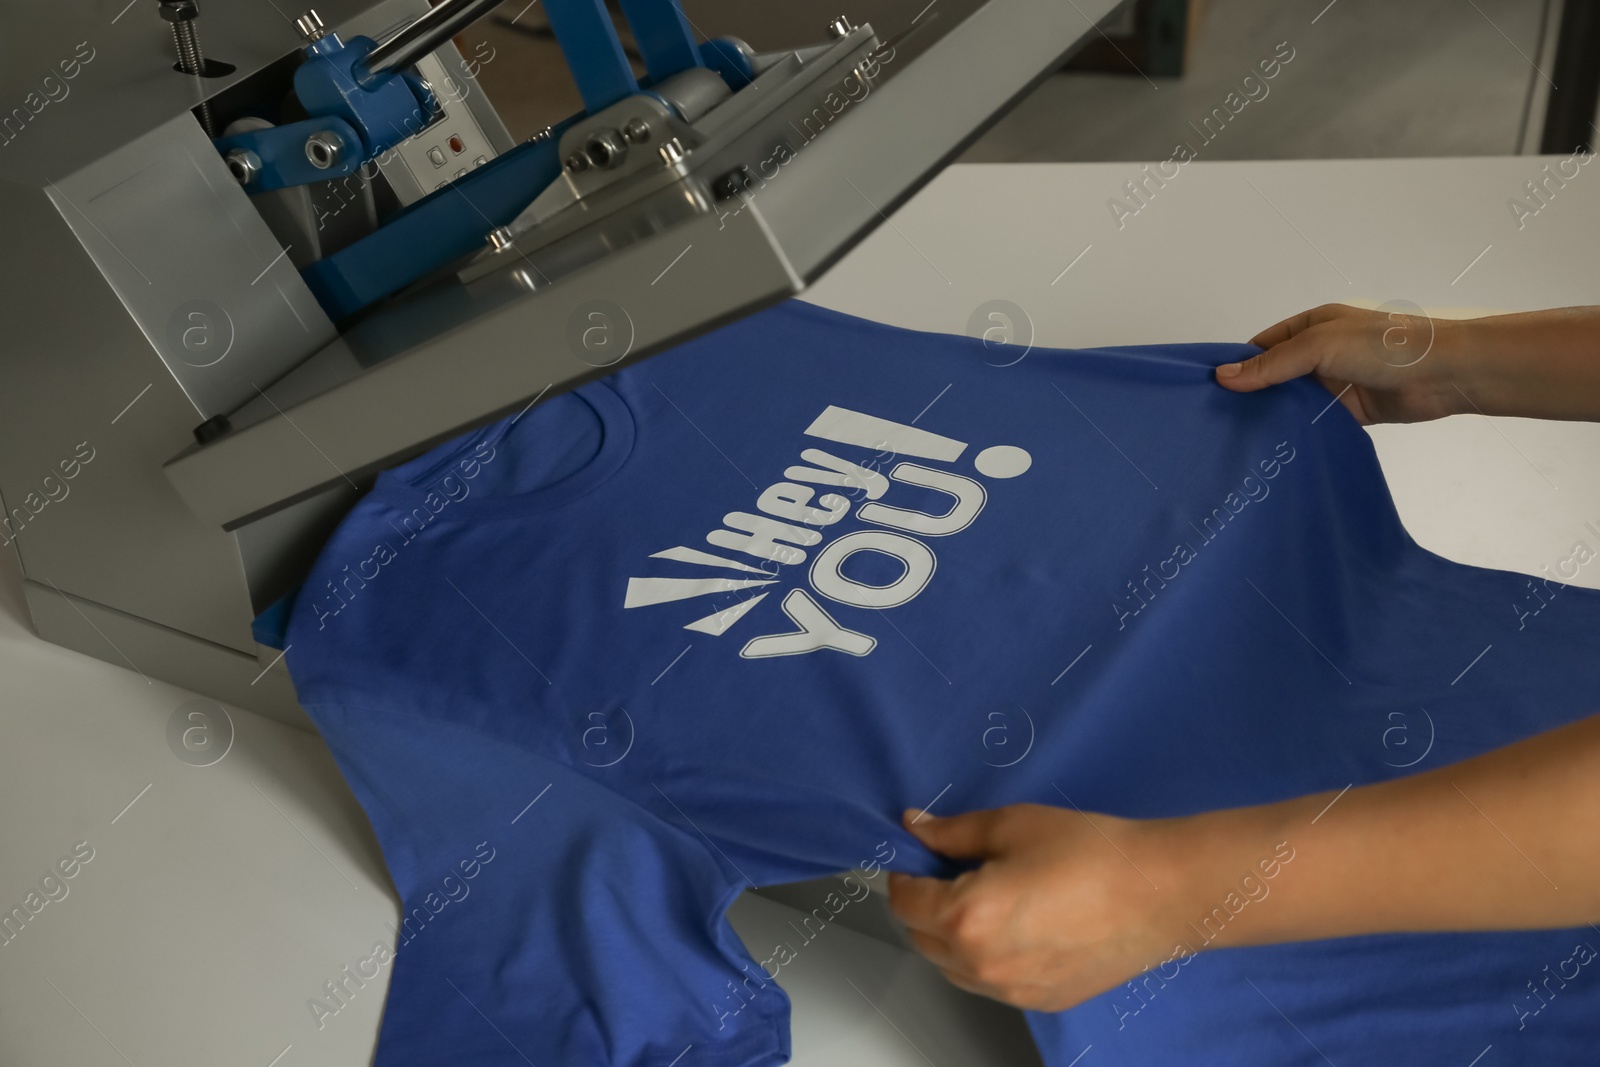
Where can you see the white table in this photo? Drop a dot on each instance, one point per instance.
(224, 896)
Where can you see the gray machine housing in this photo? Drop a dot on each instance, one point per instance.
(146, 293)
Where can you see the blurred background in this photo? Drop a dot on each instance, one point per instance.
(1367, 78)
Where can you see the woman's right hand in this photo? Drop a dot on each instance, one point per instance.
(1383, 366)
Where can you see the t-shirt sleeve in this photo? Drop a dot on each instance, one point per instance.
(545, 918)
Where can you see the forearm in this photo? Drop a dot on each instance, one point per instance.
(1509, 840)
(1538, 364)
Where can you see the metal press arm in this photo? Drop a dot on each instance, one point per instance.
(424, 35)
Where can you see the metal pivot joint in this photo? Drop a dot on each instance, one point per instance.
(325, 149)
(243, 164)
(606, 148)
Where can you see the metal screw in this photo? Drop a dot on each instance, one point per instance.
(671, 151)
(636, 130)
(182, 13)
(577, 162)
(243, 164)
(839, 27)
(324, 149)
(310, 26)
(500, 238)
(606, 149)
(542, 135)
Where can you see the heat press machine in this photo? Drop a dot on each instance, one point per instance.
(256, 255)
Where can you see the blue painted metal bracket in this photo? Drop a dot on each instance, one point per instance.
(663, 36)
(282, 151)
(441, 227)
(385, 109)
(594, 55)
(369, 118)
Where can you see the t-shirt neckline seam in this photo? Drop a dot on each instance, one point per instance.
(617, 430)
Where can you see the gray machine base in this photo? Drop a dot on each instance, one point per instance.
(157, 651)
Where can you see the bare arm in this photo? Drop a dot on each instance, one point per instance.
(1504, 841)
(1069, 904)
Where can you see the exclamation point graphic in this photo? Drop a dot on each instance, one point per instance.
(868, 431)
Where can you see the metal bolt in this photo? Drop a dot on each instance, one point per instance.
(324, 149)
(191, 57)
(839, 27)
(310, 26)
(244, 165)
(577, 162)
(636, 130)
(671, 151)
(500, 238)
(179, 10)
(606, 149)
(182, 13)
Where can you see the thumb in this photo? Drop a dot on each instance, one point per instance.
(1290, 359)
(970, 836)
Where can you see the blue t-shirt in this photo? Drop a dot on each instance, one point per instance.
(715, 620)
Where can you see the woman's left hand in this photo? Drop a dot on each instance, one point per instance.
(1066, 904)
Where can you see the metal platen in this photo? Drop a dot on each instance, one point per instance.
(242, 283)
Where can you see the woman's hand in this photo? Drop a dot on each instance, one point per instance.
(1067, 904)
(1389, 367)
(1383, 366)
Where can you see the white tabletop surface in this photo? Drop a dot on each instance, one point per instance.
(219, 899)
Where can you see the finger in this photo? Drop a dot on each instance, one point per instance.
(968, 983)
(936, 949)
(920, 903)
(974, 835)
(1293, 358)
(1280, 332)
(1028, 998)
